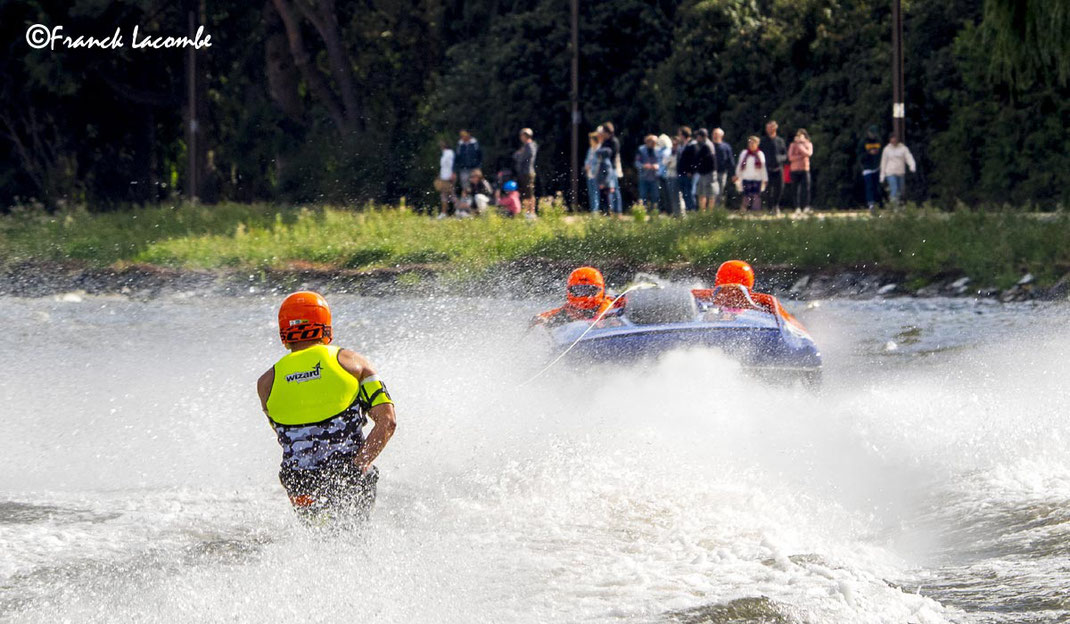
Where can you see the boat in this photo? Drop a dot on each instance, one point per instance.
(752, 328)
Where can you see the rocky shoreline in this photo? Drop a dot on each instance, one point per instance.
(516, 279)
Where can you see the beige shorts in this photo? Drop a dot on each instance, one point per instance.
(443, 186)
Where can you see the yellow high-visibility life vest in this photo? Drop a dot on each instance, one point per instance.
(310, 386)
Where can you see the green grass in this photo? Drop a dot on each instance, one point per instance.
(993, 248)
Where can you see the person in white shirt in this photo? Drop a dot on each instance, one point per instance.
(445, 181)
(895, 160)
(752, 175)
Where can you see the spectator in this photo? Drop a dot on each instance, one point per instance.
(799, 156)
(753, 174)
(477, 195)
(524, 165)
(509, 204)
(610, 140)
(590, 167)
(665, 154)
(726, 163)
(895, 159)
(776, 155)
(469, 157)
(608, 182)
(445, 180)
(672, 180)
(869, 159)
(685, 167)
(648, 164)
(705, 163)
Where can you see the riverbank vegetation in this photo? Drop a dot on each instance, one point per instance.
(992, 248)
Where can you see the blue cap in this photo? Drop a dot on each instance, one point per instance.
(510, 185)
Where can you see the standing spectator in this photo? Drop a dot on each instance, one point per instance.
(610, 140)
(648, 164)
(665, 154)
(608, 182)
(726, 164)
(776, 155)
(524, 165)
(444, 181)
(799, 156)
(705, 163)
(869, 158)
(672, 180)
(469, 157)
(753, 173)
(590, 167)
(685, 167)
(477, 196)
(895, 159)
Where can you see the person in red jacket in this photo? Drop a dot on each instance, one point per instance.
(586, 299)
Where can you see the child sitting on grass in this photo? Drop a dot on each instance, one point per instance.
(509, 204)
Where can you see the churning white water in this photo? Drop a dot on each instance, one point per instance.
(928, 482)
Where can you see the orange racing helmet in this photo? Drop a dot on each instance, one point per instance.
(735, 272)
(586, 288)
(304, 315)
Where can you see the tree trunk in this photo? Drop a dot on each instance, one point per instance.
(325, 19)
(309, 71)
(282, 76)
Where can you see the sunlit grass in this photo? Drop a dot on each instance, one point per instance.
(992, 248)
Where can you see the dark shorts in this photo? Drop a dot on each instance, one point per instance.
(336, 491)
(526, 185)
(752, 187)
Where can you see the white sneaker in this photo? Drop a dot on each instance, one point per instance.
(530, 215)
(441, 215)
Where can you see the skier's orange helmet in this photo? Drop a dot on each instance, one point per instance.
(304, 316)
(586, 288)
(735, 272)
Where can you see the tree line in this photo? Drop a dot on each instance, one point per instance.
(344, 100)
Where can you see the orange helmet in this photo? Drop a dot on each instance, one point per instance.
(304, 316)
(586, 288)
(735, 272)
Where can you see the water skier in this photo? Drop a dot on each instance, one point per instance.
(318, 399)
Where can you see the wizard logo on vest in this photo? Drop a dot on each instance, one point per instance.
(303, 376)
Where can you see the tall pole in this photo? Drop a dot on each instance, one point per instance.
(574, 198)
(898, 96)
(191, 130)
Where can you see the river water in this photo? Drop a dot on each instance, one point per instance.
(929, 481)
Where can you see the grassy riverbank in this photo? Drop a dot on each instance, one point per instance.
(991, 248)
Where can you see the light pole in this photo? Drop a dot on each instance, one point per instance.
(575, 100)
(898, 95)
(192, 179)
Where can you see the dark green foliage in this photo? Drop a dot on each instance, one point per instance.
(987, 94)
(1028, 40)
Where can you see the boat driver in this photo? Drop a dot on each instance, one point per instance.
(586, 299)
(318, 399)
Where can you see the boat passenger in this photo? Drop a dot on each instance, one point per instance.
(318, 398)
(733, 289)
(586, 299)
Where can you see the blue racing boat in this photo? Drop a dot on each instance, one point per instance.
(752, 328)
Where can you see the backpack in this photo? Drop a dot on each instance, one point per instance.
(704, 162)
